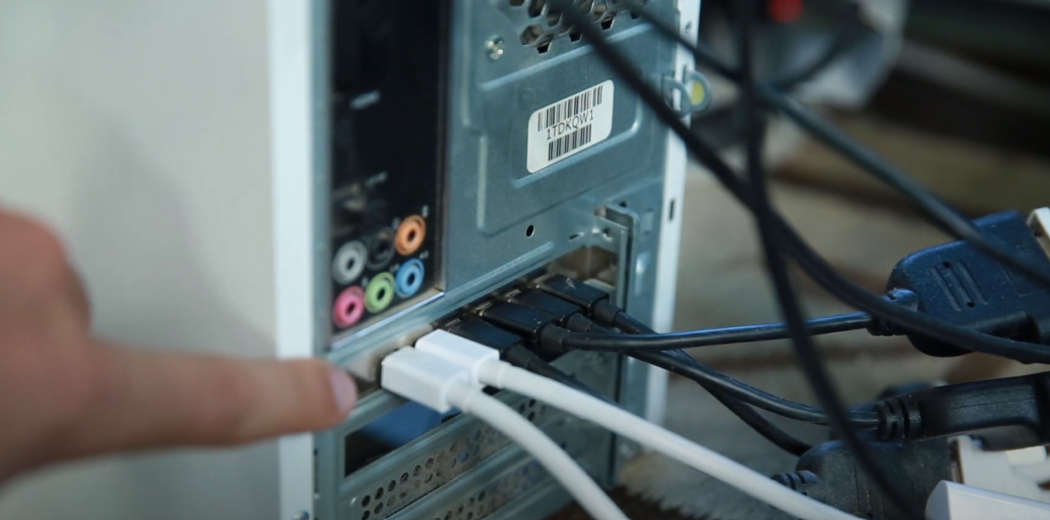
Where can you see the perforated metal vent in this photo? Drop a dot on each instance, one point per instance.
(450, 455)
(545, 22)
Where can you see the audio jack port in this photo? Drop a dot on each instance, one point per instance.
(349, 307)
(380, 292)
(410, 278)
(349, 262)
(410, 235)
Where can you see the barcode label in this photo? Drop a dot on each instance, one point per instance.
(568, 127)
(570, 108)
(569, 143)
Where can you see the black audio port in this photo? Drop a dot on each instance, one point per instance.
(381, 249)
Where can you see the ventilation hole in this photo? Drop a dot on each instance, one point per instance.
(476, 436)
(575, 35)
(430, 463)
(553, 19)
(575, 236)
(517, 3)
(532, 403)
(379, 493)
(390, 503)
(536, 7)
(404, 477)
(481, 496)
(947, 265)
(366, 515)
(448, 515)
(531, 34)
(532, 416)
(971, 304)
(378, 509)
(544, 47)
(471, 503)
(608, 22)
(463, 456)
(543, 409)
(470, 515)
(453, 463)
(521, 408)
(417, 471)
(460, 510)
(391, 485)
(365, 501)
(428, 478)
(670, 211)
(402, 495)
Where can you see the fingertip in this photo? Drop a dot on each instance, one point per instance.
(344, 390)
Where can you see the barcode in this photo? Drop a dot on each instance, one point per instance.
(570, 108)
(568, 143)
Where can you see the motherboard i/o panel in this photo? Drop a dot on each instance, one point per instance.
(387, 163)
(470, 147)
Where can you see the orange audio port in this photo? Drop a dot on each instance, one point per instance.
(410, 235)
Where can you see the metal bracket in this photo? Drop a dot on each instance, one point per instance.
(691, 79)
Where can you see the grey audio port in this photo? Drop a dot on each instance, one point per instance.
(349, 262)
(381, 249)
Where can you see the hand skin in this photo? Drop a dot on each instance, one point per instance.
(67, 394)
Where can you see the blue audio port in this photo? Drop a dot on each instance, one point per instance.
(410, 278)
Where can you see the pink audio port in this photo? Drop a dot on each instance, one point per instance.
(349, 307)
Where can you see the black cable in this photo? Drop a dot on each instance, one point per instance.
(812, 263)
(746, 413)
(697, 338)
(939, 212)
(746, 393)
(808, 357)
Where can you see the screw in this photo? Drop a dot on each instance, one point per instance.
(301, 515)
(495, 46)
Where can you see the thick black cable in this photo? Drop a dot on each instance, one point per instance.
(746, 393)
(939, 211)
(811, 262)
(708, 337)
(808, 357)
(743, 411)
(746, 413)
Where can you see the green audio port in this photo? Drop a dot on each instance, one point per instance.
(380, 292)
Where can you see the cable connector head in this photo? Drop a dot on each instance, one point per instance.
(469, 356)
(423, 377)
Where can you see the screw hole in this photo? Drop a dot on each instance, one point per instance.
(529, 231)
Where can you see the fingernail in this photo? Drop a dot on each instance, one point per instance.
(343, 389)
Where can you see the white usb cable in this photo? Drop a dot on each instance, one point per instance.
(488, 370)
(441, 385)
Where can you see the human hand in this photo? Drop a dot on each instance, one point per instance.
(67, 394)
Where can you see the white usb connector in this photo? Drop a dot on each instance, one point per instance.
(443, 373)
(424, 378)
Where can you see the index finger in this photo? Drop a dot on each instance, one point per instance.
(151, 400)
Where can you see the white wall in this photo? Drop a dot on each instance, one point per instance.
(139, 130)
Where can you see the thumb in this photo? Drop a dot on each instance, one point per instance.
(151, 400)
